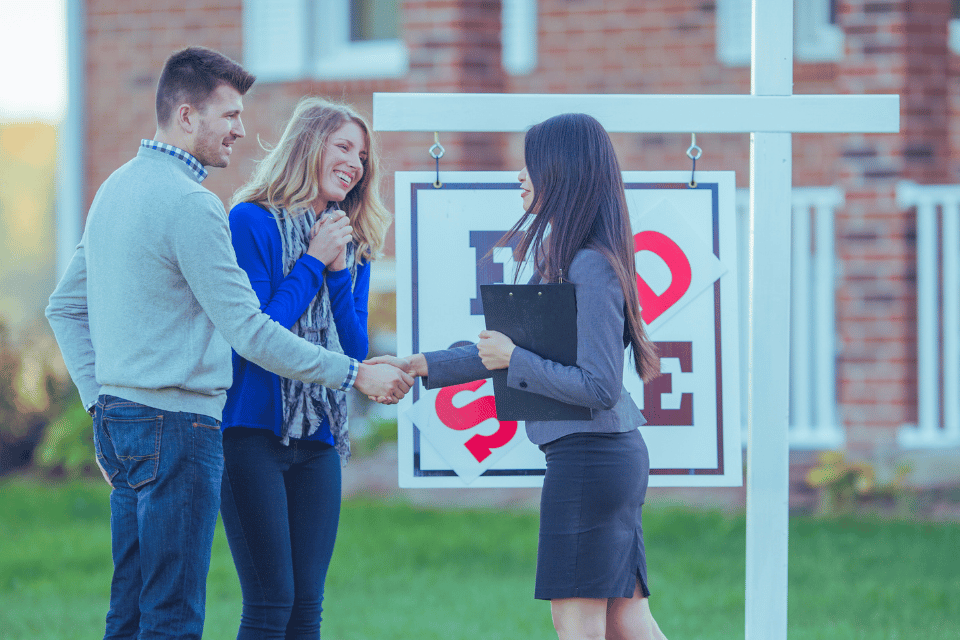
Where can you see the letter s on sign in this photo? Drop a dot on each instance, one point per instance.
(472, 414)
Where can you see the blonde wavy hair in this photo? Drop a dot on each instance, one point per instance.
(288, 177)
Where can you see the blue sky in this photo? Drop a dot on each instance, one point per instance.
(32, 60)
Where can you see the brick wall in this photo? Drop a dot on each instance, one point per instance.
(892, 47)
(454, 46)
(127, 43)
(615, 46)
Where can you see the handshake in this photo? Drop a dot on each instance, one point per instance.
(387, 379)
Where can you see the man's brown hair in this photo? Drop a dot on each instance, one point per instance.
(189, 77)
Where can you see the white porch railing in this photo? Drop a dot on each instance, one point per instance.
(814, 420)
(938, 315)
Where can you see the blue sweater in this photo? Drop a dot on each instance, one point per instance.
(254, 399)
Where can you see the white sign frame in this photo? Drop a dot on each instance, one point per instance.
(419, 463)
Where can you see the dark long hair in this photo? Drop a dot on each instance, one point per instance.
(579, 202)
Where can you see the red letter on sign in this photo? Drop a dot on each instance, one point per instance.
(652, 306)
(652, 410)
(472, 414)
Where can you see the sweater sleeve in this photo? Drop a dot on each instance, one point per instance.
(205, 256)
(349, 306)
(596, 381)
(67, 314)
(257, 245)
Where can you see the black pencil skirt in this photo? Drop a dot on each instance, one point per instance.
(591, 541)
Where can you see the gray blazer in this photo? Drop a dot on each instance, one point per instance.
(595, 382)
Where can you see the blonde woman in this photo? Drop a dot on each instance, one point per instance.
(305, 228)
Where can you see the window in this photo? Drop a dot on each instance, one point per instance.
(954, 26)
(328, 39)
(519, 36)
(371, 20)
(816, 34)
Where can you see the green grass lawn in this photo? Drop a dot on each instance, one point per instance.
(400, 572)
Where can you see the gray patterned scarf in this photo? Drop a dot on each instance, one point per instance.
(306, 404)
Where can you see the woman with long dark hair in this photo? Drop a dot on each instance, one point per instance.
(591, 560)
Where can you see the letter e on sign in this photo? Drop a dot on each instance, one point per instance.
(653, 390)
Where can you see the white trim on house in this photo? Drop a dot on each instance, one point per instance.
(814, 417)
(519, 36)
(953, 37)
(815, 37)
(274, 40)
(733, 32)
(70, 156)
(293, 39)
(339, 57)
(938, 315)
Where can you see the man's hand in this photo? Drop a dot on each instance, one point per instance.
(414, 365)
(103, 471)
(383, 381)
(495, 350)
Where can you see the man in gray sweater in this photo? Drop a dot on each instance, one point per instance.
(145, 316)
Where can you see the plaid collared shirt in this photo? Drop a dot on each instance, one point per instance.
(177, 152)
(351, 375)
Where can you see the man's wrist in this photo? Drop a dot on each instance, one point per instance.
(351, 378)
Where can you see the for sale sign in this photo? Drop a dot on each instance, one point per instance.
(685, 249)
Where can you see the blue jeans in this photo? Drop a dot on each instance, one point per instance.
(165, 468)
(280, 510)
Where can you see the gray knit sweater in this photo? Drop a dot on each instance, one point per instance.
(153, 298)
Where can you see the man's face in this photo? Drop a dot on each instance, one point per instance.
(219, 127)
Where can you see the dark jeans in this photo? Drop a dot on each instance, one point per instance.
(280, 509)
(165, 468)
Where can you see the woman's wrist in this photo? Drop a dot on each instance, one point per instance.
(418, 365)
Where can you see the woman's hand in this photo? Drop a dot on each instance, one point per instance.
(340, 262)
(329, 237)
(495, 350)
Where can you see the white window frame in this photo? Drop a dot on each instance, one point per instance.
(815, 38)
(954, 35)
(339, 57)
(518, 27)
(294, 39)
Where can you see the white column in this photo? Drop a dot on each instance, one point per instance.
(928, 316)
(769, 326)
(829, 431)
(951, 320)
(802, 360)
(938, 315)
(70, 165)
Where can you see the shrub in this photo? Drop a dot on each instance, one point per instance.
(34, 389)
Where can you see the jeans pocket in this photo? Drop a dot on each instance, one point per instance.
(99, 440)
(206, 422)
(136, 441)
(208, 444)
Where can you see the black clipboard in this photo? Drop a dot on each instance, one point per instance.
(541, 318)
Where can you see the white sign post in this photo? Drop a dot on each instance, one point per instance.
(770, 114)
